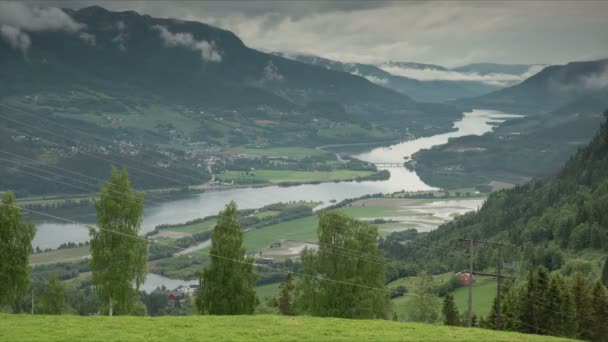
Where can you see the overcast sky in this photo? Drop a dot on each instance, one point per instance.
(448, 33)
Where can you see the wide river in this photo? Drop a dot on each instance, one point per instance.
(477, 122)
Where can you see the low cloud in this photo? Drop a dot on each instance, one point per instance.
(87, 38)
(428, 74)
(16, 38)
(38, 19)
(371, 78)
(121, 38)
(596, 81)
(271, 73)
(208, 50)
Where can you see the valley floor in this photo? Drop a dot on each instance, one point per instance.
(236, 328)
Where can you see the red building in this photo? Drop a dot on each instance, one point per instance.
(465, 278)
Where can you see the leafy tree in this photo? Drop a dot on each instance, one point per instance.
(227, 285)
(346, 275)
(15, 248)
(285, 301)
(53, 299)
(450, 312)
(118, 255)
(423, 305)
(600, 313)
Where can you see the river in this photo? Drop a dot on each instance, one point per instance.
(477, 122)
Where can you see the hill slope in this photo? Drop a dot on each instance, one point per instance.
(563, 106)
(170, 93)
(552, 88)
(236, 328)
(565, 213)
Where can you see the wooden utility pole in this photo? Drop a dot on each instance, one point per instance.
(498, 286)
(470, 300)
(498, 275)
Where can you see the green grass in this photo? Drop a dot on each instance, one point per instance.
(195, 227)
(236, 328)
(359, 211)
(300, 229)
(291, 152)
(483, 296)
(281, 176)
(267, 291)
(60, 255)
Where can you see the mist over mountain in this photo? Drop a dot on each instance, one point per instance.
(419, 90)
(582, 85)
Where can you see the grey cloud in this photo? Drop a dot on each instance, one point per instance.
(499, 79)
(596, 81)
(15, 37)
(27, 17)
(208, 51)
(441, 32)
(121, 37)
(271, 73)
(33, 18)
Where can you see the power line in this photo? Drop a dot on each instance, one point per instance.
(378, 258)
(260, 266)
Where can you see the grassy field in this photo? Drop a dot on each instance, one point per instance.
(267, 291)
(301, 229)
(483, 296)
(195, 227)
(60, 255)
(236, 328)
(290, 152)
(281, 176)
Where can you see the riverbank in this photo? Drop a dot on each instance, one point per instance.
(211, 201)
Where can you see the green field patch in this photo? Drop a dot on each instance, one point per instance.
(197, 227)
(484, 292)
(266, 214)
(285, 176)
(267, 291)
(59, 255)
(289, 152)
(304, 229)
(237, 328)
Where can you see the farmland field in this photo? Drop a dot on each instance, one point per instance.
(281, 176)
(291, 152)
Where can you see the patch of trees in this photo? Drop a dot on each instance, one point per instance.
(550, 304)
(339, 284)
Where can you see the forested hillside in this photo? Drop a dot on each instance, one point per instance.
(562, 105)
(550, 220)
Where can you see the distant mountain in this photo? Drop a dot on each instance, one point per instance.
(563, 106)
(554, 87)
(169, 93)
(427, 91)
